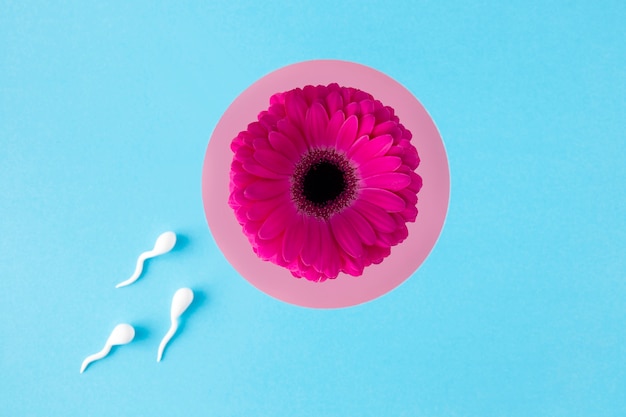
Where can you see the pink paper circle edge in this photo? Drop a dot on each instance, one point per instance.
(345, 291)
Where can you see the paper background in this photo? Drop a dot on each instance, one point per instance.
(105, 114)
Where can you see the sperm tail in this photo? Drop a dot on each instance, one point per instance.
(166, 340)
(138, 270)
(94, 357)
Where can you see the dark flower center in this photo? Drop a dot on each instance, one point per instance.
(323, 183)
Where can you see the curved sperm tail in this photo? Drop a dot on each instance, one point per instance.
(92, 358)
(138, 270)
(170, 333)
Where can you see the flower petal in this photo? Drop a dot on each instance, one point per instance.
(257, 129)
(379, 165)
(237, 197)
(390, 181)
(352, 266)
(292, 133)
(361, 226)
(274, 161)
(276, 222)
(296, 107)
(242, 179)
(367, 106)
(254, 168)
(387, 200)
(295, 236)
(261, 143)
(316, 123)
(346, 236)
(376, 216)
(416, 182)
(352, 109)
(332, 131)
(377, 253)
(260, 210)
(347, 133)
(409, 196)
(334, 102)
(309, 93)
(329, 261)
(361, 141)
(264, 189)
(375, 147)
(311, 248)
(366, 125)
(383, 128)
(284, 145)
(270, 250)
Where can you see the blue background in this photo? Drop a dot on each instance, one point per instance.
(105, 114)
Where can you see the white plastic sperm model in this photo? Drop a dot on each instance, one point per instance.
(180, 302)
(122, 334)
(164, 243)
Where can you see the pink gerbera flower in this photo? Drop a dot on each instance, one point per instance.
(324, 182)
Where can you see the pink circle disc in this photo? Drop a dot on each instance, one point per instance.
(346, 290)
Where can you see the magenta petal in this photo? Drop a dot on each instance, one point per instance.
(375, 147)
(311, 249)
(377, 253)
(416, 182)
(264, 189)
(332, 131)
(361, 141)
(262, 209)
(378, 217)
(379, 165)
(352, 266)
(296, 107)
(391, 181)
(346, 236)
(387, 200)
(274, 161)
(409, 214)
(261, 143)
(238, 198)
(295, 236)
(383, 128)
(409, 196)
(242, 179)
(352, 109)
(329, 262)
(270, 249)
(257, 129)
(254, 168)
(362, 227)
(316, 123)
(347, 133)
(292, 133)
(366, 125)
(251, 229)
(310, 94)
(284, 145)
(275, 223)
(243, 153)
(382, 114)
(411, 158)
(367, 106)
(334, 102)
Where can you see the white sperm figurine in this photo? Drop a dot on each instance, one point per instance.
(164, 243)
(122, 334)
(180, 302)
